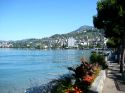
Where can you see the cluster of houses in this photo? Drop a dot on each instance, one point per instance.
(62, 43)
(5, 44)
(76, 43)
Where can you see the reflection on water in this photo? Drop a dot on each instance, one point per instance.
(23, 68)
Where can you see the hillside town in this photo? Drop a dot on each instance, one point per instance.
(5, 44)
(82, 38)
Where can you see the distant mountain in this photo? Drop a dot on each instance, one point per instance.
(84, 28)
(78, 33)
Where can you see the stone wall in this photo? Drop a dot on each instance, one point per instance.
(98, 83)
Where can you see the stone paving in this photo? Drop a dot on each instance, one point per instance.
(112, 83)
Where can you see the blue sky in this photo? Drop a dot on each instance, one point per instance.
(22, 19)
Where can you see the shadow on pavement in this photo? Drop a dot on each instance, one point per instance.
(113, 73)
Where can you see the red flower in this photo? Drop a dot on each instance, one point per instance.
(75, 89)
(88, 79)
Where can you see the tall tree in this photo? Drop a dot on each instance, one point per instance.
(111, 17)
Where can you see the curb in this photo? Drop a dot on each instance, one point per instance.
(98, 83)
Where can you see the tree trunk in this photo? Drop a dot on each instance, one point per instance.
(119, 58)
(119, 54)
(122, 56)
(122, 61)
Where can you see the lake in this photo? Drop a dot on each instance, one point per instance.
(24, 68)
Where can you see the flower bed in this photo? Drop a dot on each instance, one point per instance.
(88, 75)
(84, 76)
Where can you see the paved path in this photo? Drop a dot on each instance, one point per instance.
(111, 84)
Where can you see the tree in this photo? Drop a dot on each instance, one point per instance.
(113, 42)
(111, 17)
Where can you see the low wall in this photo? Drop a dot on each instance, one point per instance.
(98, 83)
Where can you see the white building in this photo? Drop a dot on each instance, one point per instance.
(71, 42)
(84, 43)
(105, 40)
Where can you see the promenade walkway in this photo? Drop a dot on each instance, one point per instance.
(113, 82)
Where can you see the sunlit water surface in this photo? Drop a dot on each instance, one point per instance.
(24, 68)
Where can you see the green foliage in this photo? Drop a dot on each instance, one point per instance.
(110, 17)
(111, 44)
(98, 58)
(62, 84)
(93, 57)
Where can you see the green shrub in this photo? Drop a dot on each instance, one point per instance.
(93, 57)
(98, 58)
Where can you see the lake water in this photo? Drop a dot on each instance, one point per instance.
(24, 68)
